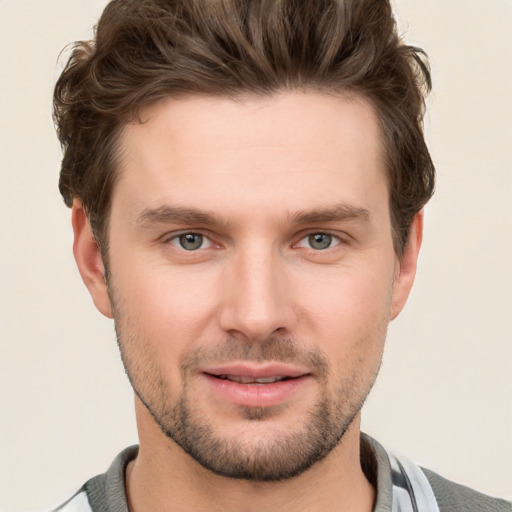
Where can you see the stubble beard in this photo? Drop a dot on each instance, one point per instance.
(278, 456)
(281, 457)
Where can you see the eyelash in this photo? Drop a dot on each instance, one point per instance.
(332, 237)
(176, 238)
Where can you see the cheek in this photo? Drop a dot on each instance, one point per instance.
(167, 305)
(160, 318)
(348, 298)
(347, 315)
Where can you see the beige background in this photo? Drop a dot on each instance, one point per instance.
(445, 392)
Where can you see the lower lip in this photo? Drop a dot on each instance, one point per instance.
(256, 395)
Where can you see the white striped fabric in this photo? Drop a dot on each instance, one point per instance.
(411, 490)
(78, 503)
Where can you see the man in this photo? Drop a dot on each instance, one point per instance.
(246, 182)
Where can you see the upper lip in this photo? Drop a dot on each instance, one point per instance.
(255, 371)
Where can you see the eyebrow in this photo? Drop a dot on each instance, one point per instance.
(336, 213)
(176, 214)
(189, 216)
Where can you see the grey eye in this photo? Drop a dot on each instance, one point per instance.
(190, 241)
(320, 241)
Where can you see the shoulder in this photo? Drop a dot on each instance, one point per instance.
(402, 485)
(452, 497)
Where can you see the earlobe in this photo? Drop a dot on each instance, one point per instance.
(88, 259)
(406, 266)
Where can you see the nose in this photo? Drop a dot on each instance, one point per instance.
(258, 300)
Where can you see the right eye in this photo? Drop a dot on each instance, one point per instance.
(190, 241)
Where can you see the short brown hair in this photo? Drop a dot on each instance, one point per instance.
(147, 50)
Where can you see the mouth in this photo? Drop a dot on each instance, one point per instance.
(244, 373)
(252, 386)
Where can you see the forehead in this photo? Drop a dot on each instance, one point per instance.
(290, 148)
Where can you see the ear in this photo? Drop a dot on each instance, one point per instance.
(88, 259)
(405, 269)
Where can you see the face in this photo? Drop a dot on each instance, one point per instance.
(251, 274)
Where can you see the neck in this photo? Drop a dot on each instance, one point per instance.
(165, 478)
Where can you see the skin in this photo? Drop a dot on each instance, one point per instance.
(271, 171)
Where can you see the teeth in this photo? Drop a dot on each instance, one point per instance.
(249, 380)
(267, 380)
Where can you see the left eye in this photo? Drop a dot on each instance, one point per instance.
(190, 241)
(319, 241)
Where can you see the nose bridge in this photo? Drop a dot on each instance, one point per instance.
(257, 305)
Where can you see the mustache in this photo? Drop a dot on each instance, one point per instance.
(274, 349)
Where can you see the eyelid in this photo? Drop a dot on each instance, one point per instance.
(341, 238)
(168, 238)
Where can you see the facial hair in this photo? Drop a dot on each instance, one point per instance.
(280, 455)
